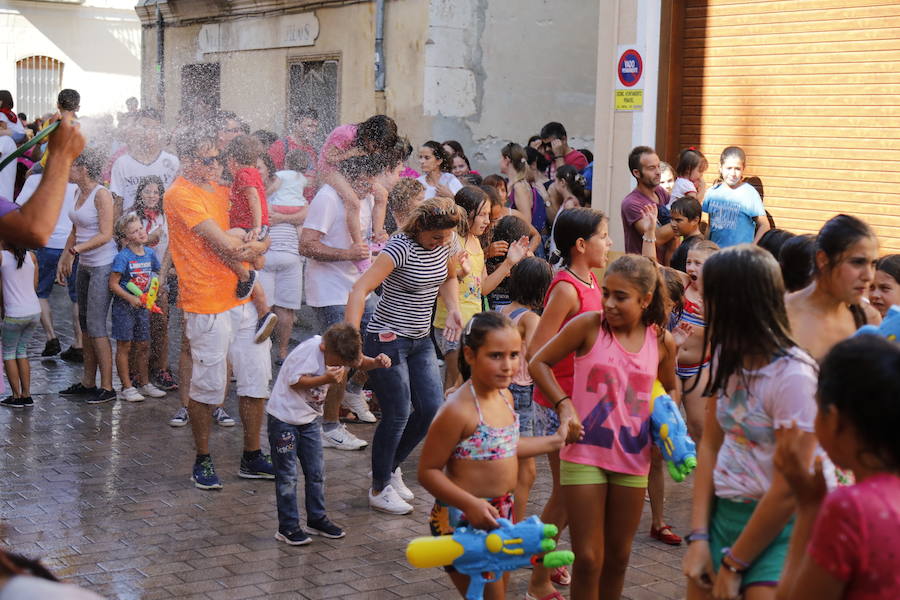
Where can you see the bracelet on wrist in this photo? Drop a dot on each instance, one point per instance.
(560, 401)
(698, 535)
(649, 239)
(727, 553)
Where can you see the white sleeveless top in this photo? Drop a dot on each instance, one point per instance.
(87, 224)
(19, 297)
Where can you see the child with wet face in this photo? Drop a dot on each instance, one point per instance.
(294, 425)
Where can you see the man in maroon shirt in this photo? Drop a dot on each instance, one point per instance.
(555, 144)
(301, 137)
(643, 163)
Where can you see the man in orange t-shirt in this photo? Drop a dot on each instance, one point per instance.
(219, 327)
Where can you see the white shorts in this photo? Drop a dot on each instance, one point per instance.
(213, 338)
(282, 279)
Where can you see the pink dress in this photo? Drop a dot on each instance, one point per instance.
(611, 393)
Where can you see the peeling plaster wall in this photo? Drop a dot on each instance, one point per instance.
(496, 71)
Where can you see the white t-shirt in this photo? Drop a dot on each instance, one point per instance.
(330, 282)
(683, 186)
(127, 173)
(290, 192)
(448, 179)
(63, 223)
(24, 587)
(299, 407)
(17, 128)
(19, 297)
(160, 224)
(8, 174)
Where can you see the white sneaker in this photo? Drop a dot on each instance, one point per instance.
(356, 403)
(131, 395)
(390, 502)
(400, 487)
(342, 439)
(151, 390)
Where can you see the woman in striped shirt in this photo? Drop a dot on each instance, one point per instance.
(412, 269)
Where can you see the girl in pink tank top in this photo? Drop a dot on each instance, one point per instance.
(618, 355)
(581, 236)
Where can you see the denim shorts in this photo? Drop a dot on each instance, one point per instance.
(546, 421)
(129, 324)
(443, 344)
(524, 407)
(48, 260)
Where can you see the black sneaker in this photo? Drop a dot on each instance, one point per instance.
(297, 538)
(102, 396)
(76, 389)
(51, 348)
(75, 355)
(10, 402)
(245, 288)
(265, 326)
(27, 402)
(326, 528)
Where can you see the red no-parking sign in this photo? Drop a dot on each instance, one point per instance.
(631, 67)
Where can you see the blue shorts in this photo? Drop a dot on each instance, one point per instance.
(524, 407)
(129, 324)
(546, 421)
(48, 259)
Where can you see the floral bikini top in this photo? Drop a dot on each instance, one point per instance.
(486, 442)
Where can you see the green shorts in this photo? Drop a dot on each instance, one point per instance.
(728, 521)
(577, 474)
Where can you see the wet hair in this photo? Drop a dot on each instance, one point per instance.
(889, 264)
(475, 335)
(188, 140)
(139, 207)
(737, 329)
(553, 130)
(688, 160)
(22, 116)
(295, 160)
(508, 229)
(12, 564)
(440, 154)
(377, 134)
(516, 155)
(93, 162)
(528, 282)
(774, 239)
(357, 167)
(644, 275)
(470, 199)
(124, 221)
(401, 195)
(675, 288)
(574, 180)
(434, 214)
(687, 207)
(244, 150)
(634, 157)
(462, 156)
(733, 152)
(68, 99)
(343, 339)
(588, 155)
(536, 158)
(533, 139)
(839, 233)
(306, 113)
(494, 180)
(492, 193)
(570, 226)
(797, 259)
(472, 179)
(269, 163)
(406, 149)
(6, 99)
(457, 147)
(265, 137)
(858, 377)
(223, 116)
(704, 246)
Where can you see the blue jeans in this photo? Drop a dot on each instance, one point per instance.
(409, 394)
(305, 442)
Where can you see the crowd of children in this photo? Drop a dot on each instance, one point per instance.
(748, 327)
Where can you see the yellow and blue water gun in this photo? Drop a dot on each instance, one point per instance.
(671, 435)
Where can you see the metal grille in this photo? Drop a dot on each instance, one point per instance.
(38, 81)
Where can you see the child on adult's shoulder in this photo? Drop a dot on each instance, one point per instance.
(249, 222)
(295, 410)
(469, 459)
(845, 544)
(135, 263)
(689, 172)
(285, 188)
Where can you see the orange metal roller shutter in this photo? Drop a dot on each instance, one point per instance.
(811, 90)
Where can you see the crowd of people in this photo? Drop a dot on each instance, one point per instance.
(465, 311)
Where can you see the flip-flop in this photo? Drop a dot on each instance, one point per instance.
(37, 139)
(553, 596)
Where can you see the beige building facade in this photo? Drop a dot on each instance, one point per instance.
(93, 46)
(481, 72)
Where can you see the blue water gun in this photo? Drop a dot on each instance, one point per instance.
(482, 555)
(889, 328)
(671, 435)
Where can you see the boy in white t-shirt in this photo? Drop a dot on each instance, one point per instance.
(294, 414)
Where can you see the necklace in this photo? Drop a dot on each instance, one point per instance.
(590, 284)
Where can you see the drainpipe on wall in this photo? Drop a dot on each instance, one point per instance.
(380, 101)
(160, 60)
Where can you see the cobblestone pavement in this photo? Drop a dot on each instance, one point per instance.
(103, 494)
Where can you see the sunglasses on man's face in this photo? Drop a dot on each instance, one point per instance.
(208, 161)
